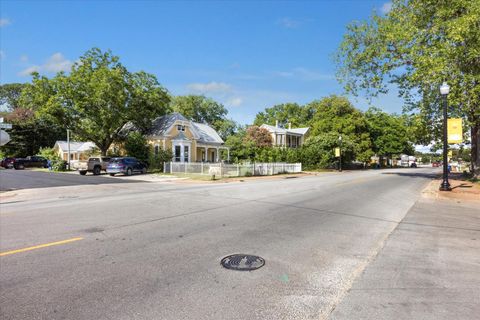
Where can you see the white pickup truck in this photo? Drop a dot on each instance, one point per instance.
(94, 164)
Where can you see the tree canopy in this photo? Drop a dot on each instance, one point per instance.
(10, 94)
(97, 98)
(293, 113)
(416, 46)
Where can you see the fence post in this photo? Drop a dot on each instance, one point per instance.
(201, 172)
(185, 164)
(238, 170)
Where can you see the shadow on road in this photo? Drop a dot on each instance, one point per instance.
(28, 179)
(414, 174)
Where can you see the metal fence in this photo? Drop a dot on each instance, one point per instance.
(232, 170)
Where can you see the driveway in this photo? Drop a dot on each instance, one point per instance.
(30, 179)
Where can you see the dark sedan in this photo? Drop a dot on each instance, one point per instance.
(126, 165)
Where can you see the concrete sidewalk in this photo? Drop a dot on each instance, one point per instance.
(429, 267)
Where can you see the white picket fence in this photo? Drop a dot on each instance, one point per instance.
(232, 170)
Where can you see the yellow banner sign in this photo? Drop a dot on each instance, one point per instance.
(337, 152)
(455, 132)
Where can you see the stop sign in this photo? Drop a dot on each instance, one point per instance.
(4, 137)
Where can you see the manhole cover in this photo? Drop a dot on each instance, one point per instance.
(242, 262)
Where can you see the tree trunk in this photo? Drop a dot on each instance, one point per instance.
(104, 151)
(475, 151)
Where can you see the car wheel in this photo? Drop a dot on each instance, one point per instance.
(144, 170)
(96, 171)
(129, 171)
(112, 174)
(82, 172)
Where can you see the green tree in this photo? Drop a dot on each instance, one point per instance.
(285, 113)
(336, 115)
(98, 98)
(29, 133)
(389, 133)
(10, 94)
(136, 146)
(416, 46)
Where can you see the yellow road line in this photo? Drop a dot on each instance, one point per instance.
(39, 246)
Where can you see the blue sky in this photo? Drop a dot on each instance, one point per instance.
(246, 54)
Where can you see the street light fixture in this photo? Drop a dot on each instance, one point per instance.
(340, 157)
(444, 91)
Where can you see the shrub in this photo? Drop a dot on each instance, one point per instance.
(156, 161)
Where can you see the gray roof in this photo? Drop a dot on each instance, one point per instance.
(201, 132)
(161, 124)
(75, 146)
(301, 131)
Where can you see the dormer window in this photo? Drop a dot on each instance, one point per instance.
(180, 127)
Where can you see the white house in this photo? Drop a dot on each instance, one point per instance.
(287, 138)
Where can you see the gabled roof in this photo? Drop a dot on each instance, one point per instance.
(301, 131)
(75, 146)
(202, 132)
(161, 124)
(206, 133)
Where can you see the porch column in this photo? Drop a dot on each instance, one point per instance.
(206, 155)
(217, 155)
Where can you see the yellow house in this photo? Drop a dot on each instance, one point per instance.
(78, 150)
(189, 141)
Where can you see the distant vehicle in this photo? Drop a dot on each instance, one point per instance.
(126, 165)
(7, 163)
(93, 164)
(436, 164)
(30, 162)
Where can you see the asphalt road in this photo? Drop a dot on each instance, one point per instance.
(153, 251)
(28, 179)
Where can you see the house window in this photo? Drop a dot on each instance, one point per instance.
(156, 150)
(180, 127)
(177, 154)
(185, 153)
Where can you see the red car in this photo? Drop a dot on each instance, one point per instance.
(436, 164)
(7, 163)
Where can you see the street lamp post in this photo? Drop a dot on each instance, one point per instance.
(445, 186)
(340, 157)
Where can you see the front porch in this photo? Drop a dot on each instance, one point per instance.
(184, 152)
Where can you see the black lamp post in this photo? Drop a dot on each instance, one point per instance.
(445, 186)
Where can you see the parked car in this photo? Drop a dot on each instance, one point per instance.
(7, 163)
(93, 164)
(436, 164)
(30, 162)
(126, 165)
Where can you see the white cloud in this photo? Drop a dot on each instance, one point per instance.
(55, 63)
(386, 7)
(210, 87)
(304, 74)
(23, 58)
(235, 102)
(289, 22)
(4, 22)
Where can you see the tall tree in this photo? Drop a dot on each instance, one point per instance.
(98, 98)
(285, 113)
(416, 46)
(338, 116)
(10, 94)
(389, 133)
